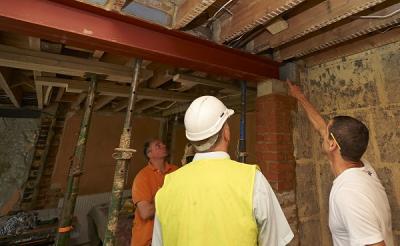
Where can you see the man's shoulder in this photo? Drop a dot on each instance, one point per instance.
(144, 172)
(172, 166)
(244, 165)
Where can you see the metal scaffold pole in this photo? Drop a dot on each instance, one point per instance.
(122, 154)
(76, 168)
(242, 140)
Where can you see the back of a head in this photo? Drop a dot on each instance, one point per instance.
(352, 136)
(204, 119)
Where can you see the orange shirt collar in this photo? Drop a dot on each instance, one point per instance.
(168, 167)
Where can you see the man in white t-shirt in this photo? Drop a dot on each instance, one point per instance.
(359, 212)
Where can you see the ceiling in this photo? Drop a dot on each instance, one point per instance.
(36, 72)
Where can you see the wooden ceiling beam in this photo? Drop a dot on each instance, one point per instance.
(39, 92)
(121, 105)
(189, 10)
(54, 63)
(60, 94)
(148, 104)
(61, 21)
(191, 79)
(47, 95)
(341, 34)
(103, 101)
(247, 14)
(34, 44)
(75, 105)
(175, 110)
(353, 47)
(97, 54)
(317, 17)
(14, 94)
(112, 89)
(160, 77)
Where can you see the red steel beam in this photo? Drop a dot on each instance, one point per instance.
(79, 24)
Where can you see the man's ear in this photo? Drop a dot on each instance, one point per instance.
(332, 145)
(227, 133)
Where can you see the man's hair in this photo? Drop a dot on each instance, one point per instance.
(146, 147)
(351, 135)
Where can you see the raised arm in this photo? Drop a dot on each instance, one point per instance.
(313, 115)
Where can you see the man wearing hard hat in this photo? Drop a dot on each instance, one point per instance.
(214, 200)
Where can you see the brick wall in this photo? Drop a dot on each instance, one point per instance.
(274, 149)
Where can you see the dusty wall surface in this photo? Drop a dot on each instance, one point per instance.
(104, 135)
(17, 142)
(365, 86)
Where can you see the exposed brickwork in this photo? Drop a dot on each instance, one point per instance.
(274, 148)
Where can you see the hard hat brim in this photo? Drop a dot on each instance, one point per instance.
(211, 131)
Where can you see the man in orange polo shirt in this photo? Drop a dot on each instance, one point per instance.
(145, 186)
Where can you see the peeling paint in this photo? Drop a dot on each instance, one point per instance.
(365, 86)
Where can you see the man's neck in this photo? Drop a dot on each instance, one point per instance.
(339, 165)
(158, 163)
(219, 147)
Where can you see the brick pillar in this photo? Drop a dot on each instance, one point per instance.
(274, 147)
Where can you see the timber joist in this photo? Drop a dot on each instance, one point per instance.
(108, 88)
(354, 47)
(189, 10)
(313, 19)
(62, 64)
(363, 5)
(346, 32)
(241, 22)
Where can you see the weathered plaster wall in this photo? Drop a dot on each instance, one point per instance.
(17, 142)
(104, 134)
(365, 86)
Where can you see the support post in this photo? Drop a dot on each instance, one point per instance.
(172, 142)
(274, 145)
(242, 139)
(123, 154)
(76, 169)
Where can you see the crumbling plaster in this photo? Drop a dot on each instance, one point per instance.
(17, 142)
(365, 86)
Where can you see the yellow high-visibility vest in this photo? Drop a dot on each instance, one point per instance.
(208, 202)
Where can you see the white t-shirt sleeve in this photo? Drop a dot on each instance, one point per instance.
(157, 234)
(357, 214)
(273, 228)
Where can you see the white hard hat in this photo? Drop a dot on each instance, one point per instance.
(205, 117)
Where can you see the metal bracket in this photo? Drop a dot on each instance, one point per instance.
(244, 154)
(123, 154)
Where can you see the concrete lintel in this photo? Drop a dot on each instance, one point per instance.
(271, 86)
